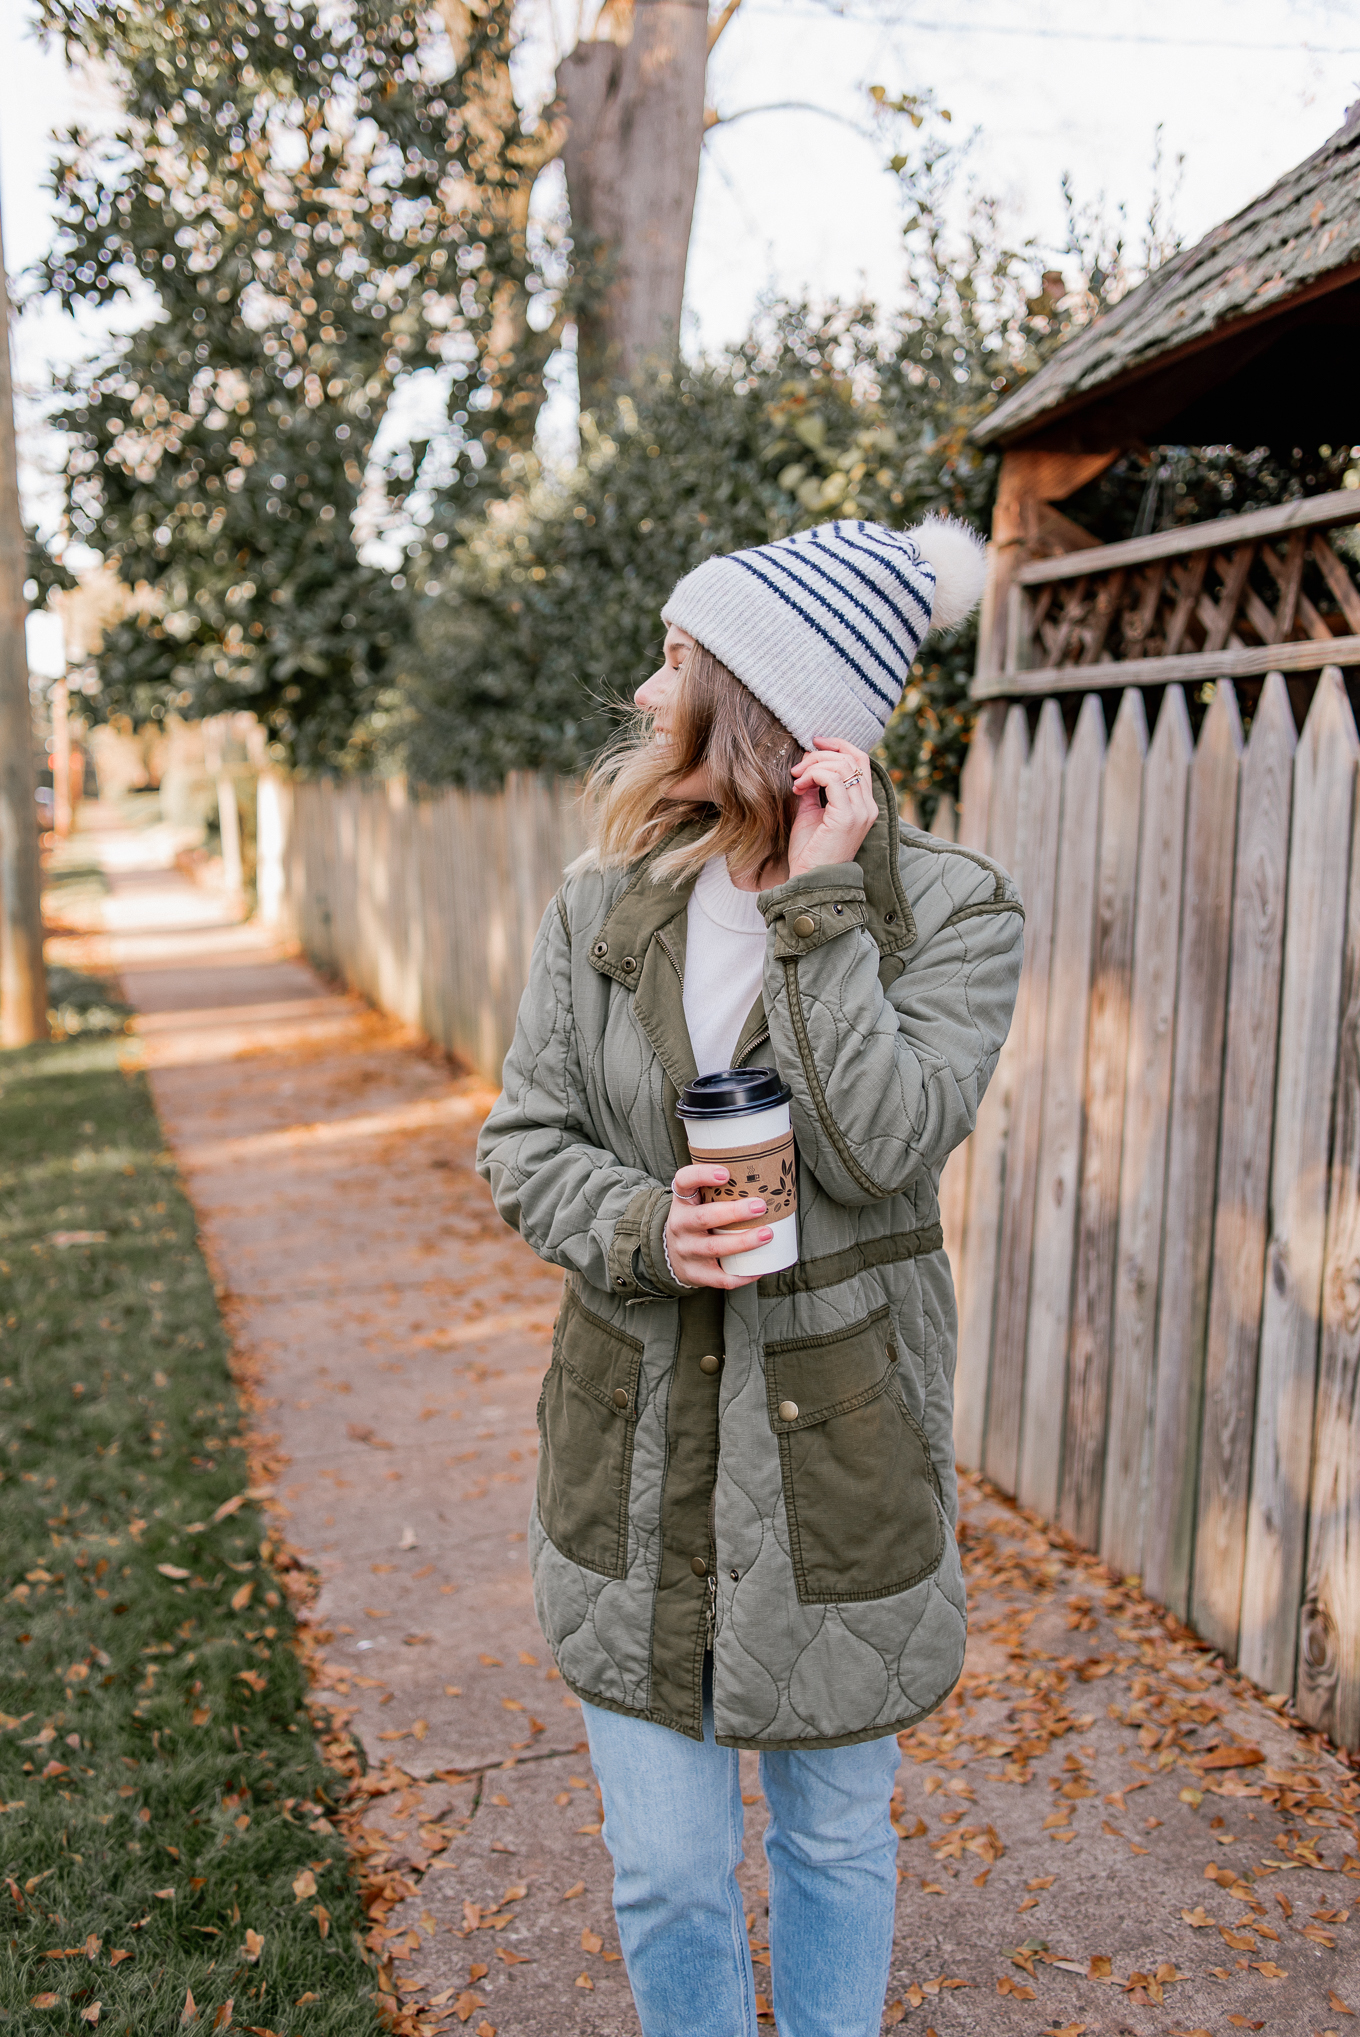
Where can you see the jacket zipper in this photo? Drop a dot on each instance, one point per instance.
(712, 1609)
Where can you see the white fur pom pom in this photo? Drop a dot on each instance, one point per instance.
(959, 557)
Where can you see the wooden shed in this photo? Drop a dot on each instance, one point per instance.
(1156, 1223)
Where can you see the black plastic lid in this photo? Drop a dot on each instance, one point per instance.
(731, 1092)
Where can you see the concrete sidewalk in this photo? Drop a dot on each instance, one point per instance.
(1101, 1832)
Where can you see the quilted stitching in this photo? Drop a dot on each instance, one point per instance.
(885, 1084)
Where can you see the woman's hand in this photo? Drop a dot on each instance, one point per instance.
(693, 1239)
(833, 833)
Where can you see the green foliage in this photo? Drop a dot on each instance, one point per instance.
(158, 1775)
(283, 196)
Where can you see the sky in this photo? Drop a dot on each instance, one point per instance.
(799, 201)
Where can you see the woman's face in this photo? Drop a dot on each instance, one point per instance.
(654, 697)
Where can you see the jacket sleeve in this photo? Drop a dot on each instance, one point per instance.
(551, 1179)
(887, 1082)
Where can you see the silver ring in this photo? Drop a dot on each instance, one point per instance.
(680, 1195)
(857, 778)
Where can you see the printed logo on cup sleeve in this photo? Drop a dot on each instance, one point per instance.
(767, 1170)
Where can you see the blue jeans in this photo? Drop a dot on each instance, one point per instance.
(673, 1826)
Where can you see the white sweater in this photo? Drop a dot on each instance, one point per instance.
(724, 964)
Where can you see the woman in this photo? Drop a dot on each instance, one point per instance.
(743, 1528)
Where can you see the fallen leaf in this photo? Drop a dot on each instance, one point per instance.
(304, 1885)
(578, 1888)
(241, 1597)
(491, 1661)
(201, 1715)
(90, 2015)
(1065, 2030)
(1042, 1881)
(222, 2020)
(252, 1948)
(1229, 1757)
(1007, 1986)
(522, 1958)
(189, 2013)
(893, 2013)
(1341, 2008)
(467, 2005)
(1197, 1918)
(584, 1980)
(1100, 1967)
(116, 1958)
(163, 1895)
(1318, 1935)
(171, 1570)
(1030, 1903)
(254, 1679)
(323, 1919)
(590, 1942)
(47, 2001)
(477, 1971)
(1237, 1939)
(485, 2029)
(1245, 2023)
(1268, 1970)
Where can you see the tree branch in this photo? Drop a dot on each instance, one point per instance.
(712, 118)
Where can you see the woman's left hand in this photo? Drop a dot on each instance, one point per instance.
(833, 833)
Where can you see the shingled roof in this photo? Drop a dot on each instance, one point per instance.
(1299, 240)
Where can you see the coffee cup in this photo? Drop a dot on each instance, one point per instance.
(739, 1119)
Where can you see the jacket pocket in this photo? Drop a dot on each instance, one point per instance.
(587, 1415)
(860, 1490)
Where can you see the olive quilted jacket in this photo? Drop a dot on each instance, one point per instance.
(676, 1509)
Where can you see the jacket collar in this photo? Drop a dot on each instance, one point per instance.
(642, 941)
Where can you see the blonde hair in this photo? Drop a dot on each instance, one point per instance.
(714, 720)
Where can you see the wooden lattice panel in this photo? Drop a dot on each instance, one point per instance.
(1254, 593)
(1276, 589)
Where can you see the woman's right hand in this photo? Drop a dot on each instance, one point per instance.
(695, 1238)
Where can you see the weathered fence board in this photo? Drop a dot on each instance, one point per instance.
(1147, 1122)
(1329, 1629)
(1315, 916)
(1050, 1288)
(982, 1213)
(1232, 1345)
(1206, 931)
(1088, 1378)
(1038, 857)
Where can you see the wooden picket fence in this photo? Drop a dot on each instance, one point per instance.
(427, 905)
(1156, 1223)
(1155, 1227)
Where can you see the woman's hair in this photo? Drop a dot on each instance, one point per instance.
(714, 720)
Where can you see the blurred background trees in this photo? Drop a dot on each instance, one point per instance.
(315, 205)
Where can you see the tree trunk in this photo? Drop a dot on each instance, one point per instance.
(23, 984)
(635, 114)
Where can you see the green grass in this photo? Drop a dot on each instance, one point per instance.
(160, 1783)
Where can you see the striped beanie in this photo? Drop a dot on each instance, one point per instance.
(823, 626)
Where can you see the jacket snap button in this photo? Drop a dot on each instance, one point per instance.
(629, 964)
(600, 948)
(698, 1566)
(709, 1364)
(735, 1576)
(620, 1397)
(788, 1410)
(805, 924)
(890, 919)
(838, 908)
